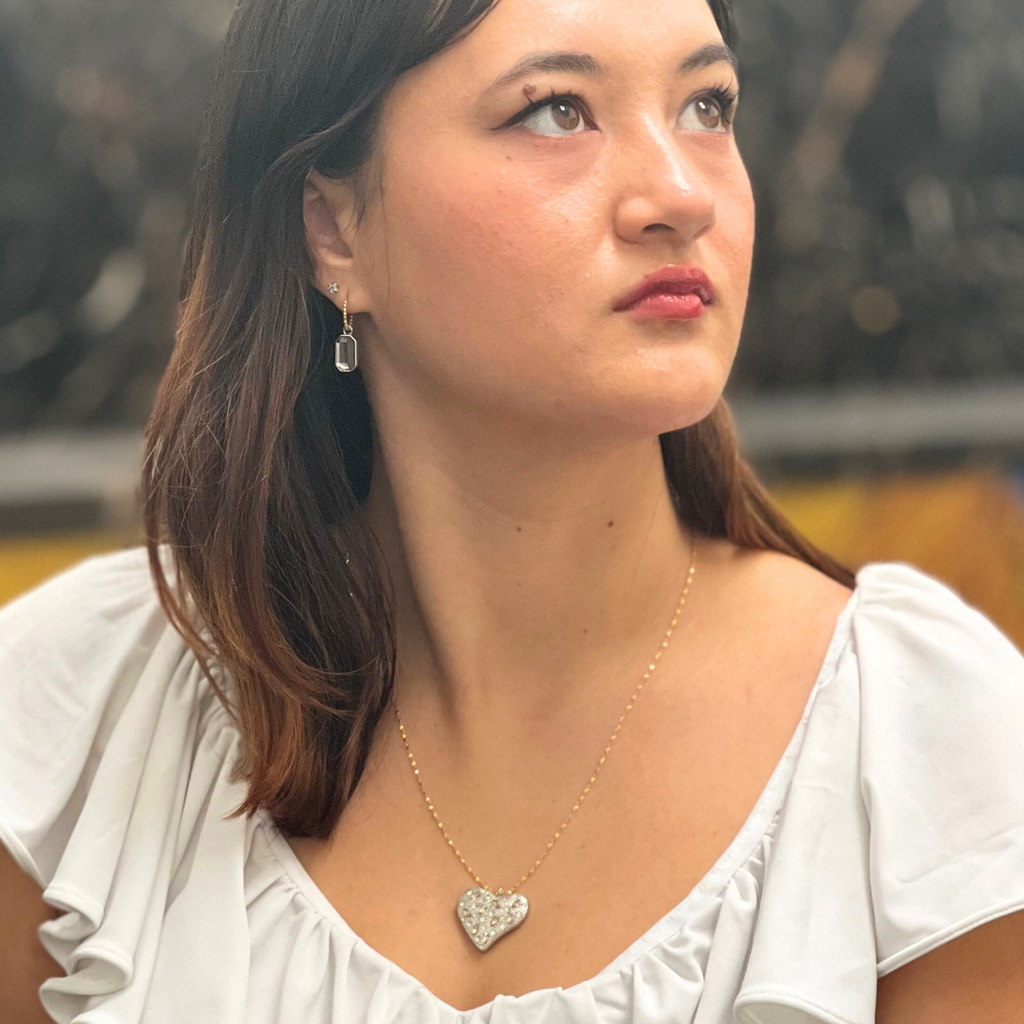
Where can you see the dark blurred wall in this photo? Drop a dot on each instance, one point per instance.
(100, 106)
(885, 140)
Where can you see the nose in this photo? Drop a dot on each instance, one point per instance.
(663, 191)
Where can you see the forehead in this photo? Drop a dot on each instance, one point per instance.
(610, 30)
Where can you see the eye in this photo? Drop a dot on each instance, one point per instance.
(563, 111)
(711, 112)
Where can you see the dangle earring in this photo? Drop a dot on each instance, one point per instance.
(346, 355)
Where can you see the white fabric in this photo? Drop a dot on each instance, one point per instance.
(894, 822)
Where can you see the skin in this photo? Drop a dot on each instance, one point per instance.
(518, 484)
(24, 964)
(976, 977)
(520, 498)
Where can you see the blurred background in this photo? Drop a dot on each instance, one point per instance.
(879, 386)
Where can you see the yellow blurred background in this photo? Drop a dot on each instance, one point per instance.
(965, 527)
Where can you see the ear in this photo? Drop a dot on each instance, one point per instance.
(327, 212)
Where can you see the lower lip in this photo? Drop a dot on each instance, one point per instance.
(662, 304)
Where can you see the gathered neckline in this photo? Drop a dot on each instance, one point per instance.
(739, 850)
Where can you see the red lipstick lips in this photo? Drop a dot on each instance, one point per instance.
(675, 291)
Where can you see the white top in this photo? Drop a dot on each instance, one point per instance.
(893, 822)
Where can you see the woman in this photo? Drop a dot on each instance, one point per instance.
(439, 487)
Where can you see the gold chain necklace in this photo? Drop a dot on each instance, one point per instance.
(487, 915)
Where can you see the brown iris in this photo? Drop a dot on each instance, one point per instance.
(574, 115)
(709, 112)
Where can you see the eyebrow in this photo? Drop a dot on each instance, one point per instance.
(576, 63)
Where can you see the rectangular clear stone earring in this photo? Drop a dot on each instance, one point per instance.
(346, 355)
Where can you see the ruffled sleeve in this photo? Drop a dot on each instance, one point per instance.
(114, 748)
(942, 764)
(904, 824)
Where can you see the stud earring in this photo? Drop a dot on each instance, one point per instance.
(333, 287)
(345, 351)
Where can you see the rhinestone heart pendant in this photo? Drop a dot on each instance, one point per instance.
(487, 916)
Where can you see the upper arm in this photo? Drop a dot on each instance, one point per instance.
(24, 964)
(978, 976)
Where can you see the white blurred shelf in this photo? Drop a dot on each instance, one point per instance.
(867, 421)
(57, 465)
(63, 479)
(95, 475)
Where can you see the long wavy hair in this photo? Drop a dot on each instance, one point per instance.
(257, 452)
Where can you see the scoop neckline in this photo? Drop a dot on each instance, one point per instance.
(710, 885)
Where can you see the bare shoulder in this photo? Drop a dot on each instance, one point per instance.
(776, 579)
(766, 623)
(785, 611)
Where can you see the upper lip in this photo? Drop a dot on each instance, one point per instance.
(674, 280)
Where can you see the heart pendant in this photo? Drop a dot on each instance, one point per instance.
(487, 916)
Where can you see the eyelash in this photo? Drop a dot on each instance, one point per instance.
(725, 96)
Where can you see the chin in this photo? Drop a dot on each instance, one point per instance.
(649, 414)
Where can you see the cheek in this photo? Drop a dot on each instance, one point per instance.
(735, 228)
(492, 247)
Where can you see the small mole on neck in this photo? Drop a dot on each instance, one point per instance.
(611, 522)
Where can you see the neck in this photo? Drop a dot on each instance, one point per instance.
(527, 583)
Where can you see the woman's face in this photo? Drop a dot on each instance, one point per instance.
(493, 259)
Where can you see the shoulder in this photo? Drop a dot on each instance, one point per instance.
(762, 571)
(941, 763)
(70, 633)
(935, 670)
(88, 659)
(938, 692)
(790, 614)
(69, 643)
(901, 611)
(902, 593)
(942, 697)
(904, 824)
(786, 602)
(117, 777)
(99, 593)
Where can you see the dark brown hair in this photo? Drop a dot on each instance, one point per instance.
(258, 453)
